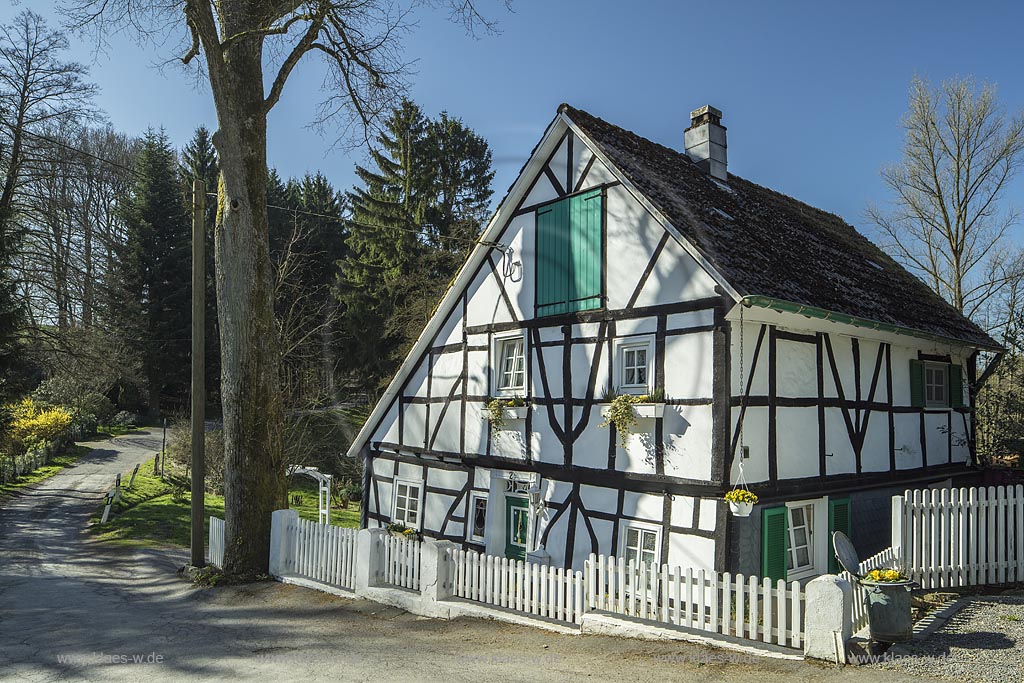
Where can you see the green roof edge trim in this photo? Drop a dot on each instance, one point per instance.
(822, 314)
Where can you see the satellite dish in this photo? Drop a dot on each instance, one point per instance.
(846, 553)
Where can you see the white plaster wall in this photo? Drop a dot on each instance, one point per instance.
(755, 437)
(682, 511)
(688, 431)
(797, 375)
(875, 453)
(797, 439)
(688, 366)
(446, 372)
(839, 455)
(691, 551)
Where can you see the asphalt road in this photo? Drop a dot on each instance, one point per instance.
(74, 609)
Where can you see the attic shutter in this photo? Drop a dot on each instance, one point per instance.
(569, 254)
(956, 386)
(838, 520)
(773, 543)
(916, 383)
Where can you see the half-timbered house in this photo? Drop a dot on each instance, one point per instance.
(780, 344)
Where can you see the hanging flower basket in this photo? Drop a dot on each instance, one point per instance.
(740, 509)
(741, 502)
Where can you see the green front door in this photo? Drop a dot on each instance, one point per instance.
(517, 526)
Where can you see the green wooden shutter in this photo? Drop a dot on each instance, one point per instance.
(916, 383)
(569, 254)
(774, 539)
(585, 214)
(956, 386)
(838, 520)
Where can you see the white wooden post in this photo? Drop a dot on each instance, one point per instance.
(281, 544)
(368, 543)
(829, 603)
(898, 539)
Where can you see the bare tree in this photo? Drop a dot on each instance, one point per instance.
(947, 222)
(358, 40)
(36, 88)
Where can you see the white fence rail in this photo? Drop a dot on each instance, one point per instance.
(886, 559)
(217, 542)
(744, 607)
(400, 562)
(554, 593)
(322, 552)
(960, 537)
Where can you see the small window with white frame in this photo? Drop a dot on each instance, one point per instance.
(408, 503)
(634, 367)
(477, 524)
(641, 544)
(936, 385)
(800, 555)
(510, 365)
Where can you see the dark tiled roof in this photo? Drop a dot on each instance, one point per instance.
(765, 243)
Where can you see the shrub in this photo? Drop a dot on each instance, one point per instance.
(179, 452)
(33, 425)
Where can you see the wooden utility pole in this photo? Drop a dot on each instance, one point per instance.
(198, 372)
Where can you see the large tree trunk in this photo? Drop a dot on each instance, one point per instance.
(254, 482)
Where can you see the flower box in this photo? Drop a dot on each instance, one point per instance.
(646, 411)
(516, 413)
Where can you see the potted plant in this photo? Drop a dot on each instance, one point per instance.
(499, 410)
(741, 501)
(887, 598)
(399, 530)
(624, 409)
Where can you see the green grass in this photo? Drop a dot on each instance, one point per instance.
(148, 513)
(307, 509)
(59, 462)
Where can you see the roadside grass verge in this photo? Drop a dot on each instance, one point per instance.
(152, 513)
(68, 457)
(104, 432)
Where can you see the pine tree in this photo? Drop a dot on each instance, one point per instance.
(412, 224)
(155, 294)
(199, 161)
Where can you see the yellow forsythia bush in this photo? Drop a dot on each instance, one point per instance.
(32, 425)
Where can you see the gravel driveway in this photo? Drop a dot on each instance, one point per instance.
(74, 609)
(981, 642)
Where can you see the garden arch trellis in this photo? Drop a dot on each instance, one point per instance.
(324, 497)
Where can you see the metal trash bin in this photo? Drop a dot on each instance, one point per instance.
(888, 606)
(887, 602)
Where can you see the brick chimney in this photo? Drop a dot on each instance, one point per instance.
(705, 141)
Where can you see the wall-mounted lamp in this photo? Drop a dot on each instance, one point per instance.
(536, 498)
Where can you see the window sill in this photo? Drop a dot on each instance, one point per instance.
(649, 411)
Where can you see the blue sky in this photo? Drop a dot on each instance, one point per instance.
(812, 92)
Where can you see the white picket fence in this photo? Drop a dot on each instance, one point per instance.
(322, 552)
(960, 537)
(540, 590)
(744, 607)
(400, 562)
(217, 542)
(887, 559)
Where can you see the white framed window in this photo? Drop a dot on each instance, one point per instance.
(408, 503)
(800, 551)
(476, 525)
(633, 373)
(641, 543)
(936, 385)
(807, 544)
(509, 365)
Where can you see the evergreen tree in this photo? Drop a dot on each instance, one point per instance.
(155, 277)
(412, 223)
(199, 161)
